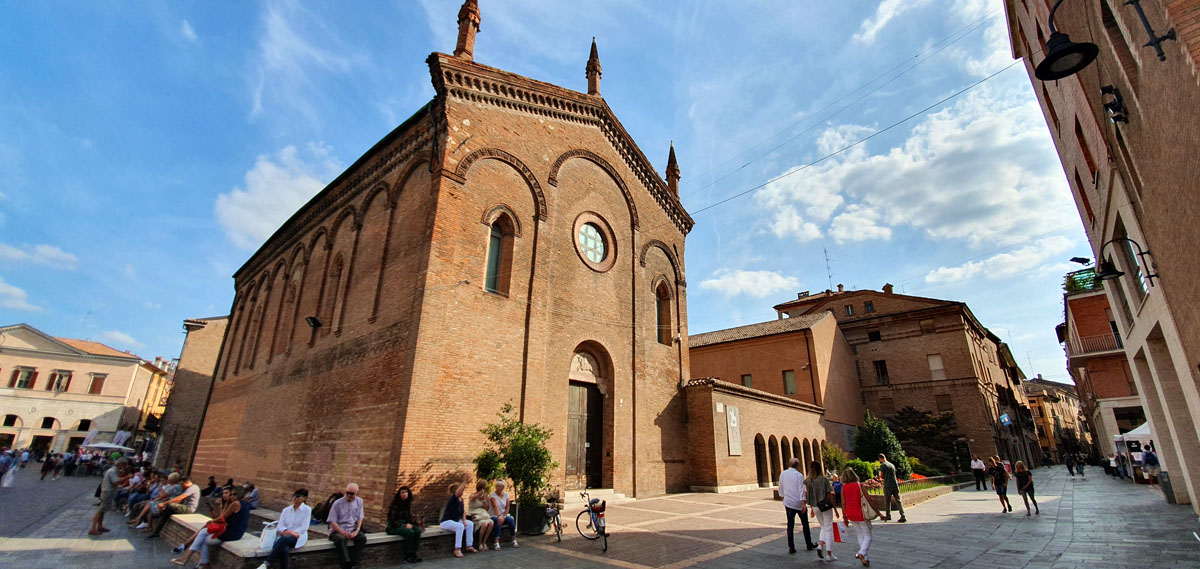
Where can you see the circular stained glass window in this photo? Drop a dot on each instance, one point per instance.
(591, 243)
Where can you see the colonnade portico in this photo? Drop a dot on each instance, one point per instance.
(772, 455)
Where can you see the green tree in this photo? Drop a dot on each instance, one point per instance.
(518, 450)
(875, 438)
(833, 456)
(927, 436)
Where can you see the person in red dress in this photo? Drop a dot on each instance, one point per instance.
(858, 513)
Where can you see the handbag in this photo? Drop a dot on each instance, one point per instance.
(825, 504)
(267, 540)
(215, 528)
(869, 513)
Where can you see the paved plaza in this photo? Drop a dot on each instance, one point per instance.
(1098, 523)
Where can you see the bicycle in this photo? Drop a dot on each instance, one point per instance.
(553, 517)
(591, 527)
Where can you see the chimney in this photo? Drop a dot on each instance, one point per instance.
(841, 288)
(887, 288)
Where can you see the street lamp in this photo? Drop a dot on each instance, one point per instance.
(1063, 56)
(1109, 271)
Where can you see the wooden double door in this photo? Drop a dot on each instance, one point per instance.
(585, 436)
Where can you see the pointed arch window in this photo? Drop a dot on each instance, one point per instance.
(662, 300)
(500, 255)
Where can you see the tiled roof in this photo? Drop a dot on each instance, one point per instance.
(95, 348)
(756, 330)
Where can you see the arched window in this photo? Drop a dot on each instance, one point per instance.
(663, 311)
(500, 255)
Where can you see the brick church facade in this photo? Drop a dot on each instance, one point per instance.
(507, 243)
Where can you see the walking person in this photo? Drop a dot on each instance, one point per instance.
(1069, 460)
(1000, 484)
(820, 499)
(1150, 465)
(858, 513)
(891, 490)
(1079, 460)
(795, 499)
(978, 468)
(112, 478)
(1025, 487)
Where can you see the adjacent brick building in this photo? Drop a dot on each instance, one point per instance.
(58, 392)
(192, 384)
(507, 243)
(932, 355)
(1124, 128)
(781, 388)
(1096, 361)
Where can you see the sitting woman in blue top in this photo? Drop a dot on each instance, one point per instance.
(236, 515)
(454, 518)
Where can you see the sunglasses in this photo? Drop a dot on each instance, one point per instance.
(351, 493)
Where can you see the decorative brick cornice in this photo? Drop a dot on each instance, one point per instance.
(469, 81)
(750, 393)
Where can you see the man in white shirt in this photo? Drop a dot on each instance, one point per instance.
(291, 532)
(795, 502)
(978, 468)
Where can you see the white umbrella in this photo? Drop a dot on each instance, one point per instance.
(108, 446)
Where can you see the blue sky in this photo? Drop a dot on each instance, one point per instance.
(146, 149)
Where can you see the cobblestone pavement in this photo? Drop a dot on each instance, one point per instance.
(1098, 523)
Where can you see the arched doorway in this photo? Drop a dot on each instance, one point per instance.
(773, 453)
(796, 452)
(589, 379)
(786, 449)
(760, 461)
(818, 453)
(807, 447)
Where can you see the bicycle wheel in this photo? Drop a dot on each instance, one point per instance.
(558, 526)
(604, 540)
(583, 523)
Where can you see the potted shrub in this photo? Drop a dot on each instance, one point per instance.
(518, 450)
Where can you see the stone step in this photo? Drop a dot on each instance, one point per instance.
(572, 497)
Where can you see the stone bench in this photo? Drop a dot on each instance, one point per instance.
(381, 549)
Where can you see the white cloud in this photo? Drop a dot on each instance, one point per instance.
(789, 223)
(1003, 265)
(153, 305)
(289, 65)
(887, 10)
(119, 337)
(983, 170)
(15, 298)
(130, 272)
(758, 284)
(185, 29)
(274, 189)
(858, 223)
(47, 255)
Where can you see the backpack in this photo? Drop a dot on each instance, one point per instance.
(321, 512)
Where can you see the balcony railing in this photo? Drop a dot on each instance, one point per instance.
(1094, 344)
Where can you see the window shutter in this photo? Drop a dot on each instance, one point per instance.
(33, 380)
(13, 382)
(50, 384)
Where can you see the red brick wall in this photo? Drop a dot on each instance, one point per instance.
(193, 379)
(1089, 316)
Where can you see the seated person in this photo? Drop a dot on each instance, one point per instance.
(478, 509)
(250, 494)
(454, 518)
(159, 492)
(185, 503)
(236, 516)
(345, 527)
(402, 522)
(500, 517)
(291, 532)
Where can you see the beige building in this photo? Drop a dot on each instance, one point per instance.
(1057, 417)
(190, 391)
(1124, 128)
(60, 391)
